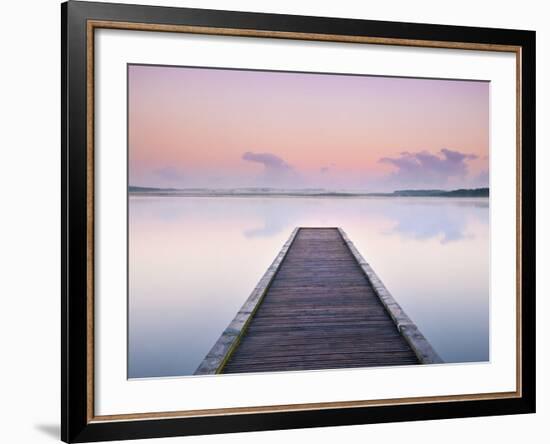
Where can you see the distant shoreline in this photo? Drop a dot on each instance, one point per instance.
(266, 192)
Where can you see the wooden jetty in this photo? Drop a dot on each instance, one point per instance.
(318, 306)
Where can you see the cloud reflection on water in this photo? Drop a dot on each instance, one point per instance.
(416, 218)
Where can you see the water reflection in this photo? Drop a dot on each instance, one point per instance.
(418, 218)
(446, 221)
(193, 262)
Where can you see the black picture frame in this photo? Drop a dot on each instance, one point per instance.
(77, 425)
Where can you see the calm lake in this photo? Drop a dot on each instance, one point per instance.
(193, 261)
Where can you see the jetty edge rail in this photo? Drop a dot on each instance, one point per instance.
(228, 342)
(229, 339)
(408, 329)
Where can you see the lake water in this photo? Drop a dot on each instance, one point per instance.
(193, 261)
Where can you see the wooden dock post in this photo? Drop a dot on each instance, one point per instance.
(318, 306)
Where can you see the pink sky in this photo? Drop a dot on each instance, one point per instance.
(218, 128)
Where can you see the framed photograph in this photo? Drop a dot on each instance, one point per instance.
(275, 221)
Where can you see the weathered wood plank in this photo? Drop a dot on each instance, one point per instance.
(408, 329)
(320, 311)
(228, 341)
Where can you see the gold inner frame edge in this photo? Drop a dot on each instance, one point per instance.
(105, 24)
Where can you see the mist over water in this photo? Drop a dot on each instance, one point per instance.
(193, 261)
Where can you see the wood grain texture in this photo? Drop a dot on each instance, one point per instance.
(320, 312)
(359, 39)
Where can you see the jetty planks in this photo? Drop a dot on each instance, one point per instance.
(320, 311)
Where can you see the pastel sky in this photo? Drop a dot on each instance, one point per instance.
(220, 128)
